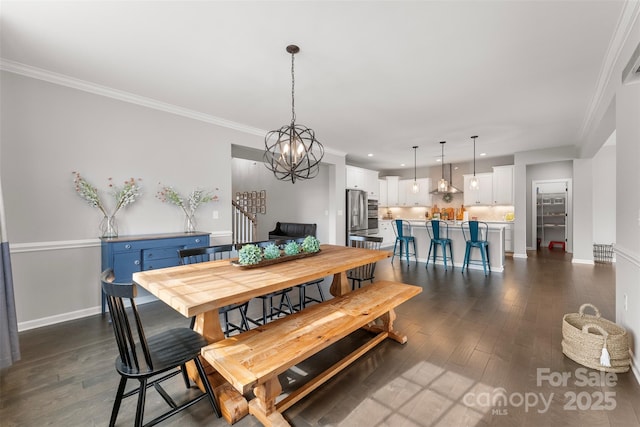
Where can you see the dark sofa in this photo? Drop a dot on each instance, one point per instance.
(292, 230)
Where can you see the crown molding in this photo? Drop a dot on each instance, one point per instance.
(628, 18)
(86, 86)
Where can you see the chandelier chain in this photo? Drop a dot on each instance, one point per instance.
(293, 83)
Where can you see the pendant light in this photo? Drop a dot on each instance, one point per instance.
(443, 185)
(292, 152)
(474, 184)
(416, 188)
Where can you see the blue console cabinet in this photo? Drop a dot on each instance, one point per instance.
(129, 254)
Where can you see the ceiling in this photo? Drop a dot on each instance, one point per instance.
(371, 77)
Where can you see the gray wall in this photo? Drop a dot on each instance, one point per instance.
(604, 195)
(48, 131)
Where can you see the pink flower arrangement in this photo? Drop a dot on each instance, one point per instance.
(125, 195)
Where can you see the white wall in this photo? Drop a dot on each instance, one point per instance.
(582, 198)
(604, 195)
(628, 213)
(305, 201)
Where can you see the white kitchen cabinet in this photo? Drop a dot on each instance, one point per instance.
(483, 195)
(371, 184)
(363, 179)
(393, 183)
(355, 177)
(382, 192)
(508, 237)
(503, 185)
(409, 198)
(385, 230)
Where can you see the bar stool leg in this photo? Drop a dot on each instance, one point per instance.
(484, 260)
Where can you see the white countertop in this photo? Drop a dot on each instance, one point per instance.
(493, 225)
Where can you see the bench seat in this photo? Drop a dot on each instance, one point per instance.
(253, 360)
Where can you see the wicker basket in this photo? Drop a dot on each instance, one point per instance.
(587, 338)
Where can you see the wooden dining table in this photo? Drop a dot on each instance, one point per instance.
(201, 289)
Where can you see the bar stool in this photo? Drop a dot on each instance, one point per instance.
(439, 234)
(402, 229)
(475, 233)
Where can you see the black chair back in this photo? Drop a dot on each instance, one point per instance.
(128, 330)
(367, 271)
(150, 361)
(206, 253)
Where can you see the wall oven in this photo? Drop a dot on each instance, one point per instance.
(372, 216)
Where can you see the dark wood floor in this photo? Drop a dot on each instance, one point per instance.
(471, 339)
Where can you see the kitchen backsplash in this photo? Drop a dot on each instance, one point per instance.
(483, 213)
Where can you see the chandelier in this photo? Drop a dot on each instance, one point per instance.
(292, 152)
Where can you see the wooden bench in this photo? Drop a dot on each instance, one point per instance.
(253, 360)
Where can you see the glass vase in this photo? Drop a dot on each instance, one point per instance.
(190, 223)
(109, 227)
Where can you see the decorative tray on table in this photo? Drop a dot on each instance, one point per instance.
(283, 258)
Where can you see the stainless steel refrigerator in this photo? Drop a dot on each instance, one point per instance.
(357, 222)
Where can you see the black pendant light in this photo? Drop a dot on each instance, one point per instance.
(474, 184)
(292, 152)
(416, 188)
(443, 185)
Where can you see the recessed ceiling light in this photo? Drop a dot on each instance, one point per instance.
(370, 155)
(402, 164)
(438, 160)
(483, 154)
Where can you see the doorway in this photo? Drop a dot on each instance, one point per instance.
(552, 224)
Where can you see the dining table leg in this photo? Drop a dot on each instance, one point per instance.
(340, 284)
(233, 405)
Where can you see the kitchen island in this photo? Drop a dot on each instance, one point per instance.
(496, 239)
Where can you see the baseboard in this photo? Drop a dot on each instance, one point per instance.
(72, 315)
(582, 261)
(634, 367)
(471, 266)
(519, 255)
(58, 318)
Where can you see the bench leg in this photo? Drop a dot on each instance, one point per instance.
(263, 407)
(385, 324)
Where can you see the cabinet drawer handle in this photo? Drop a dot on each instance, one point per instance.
(127, 246)
(197, 240)
(136, 262)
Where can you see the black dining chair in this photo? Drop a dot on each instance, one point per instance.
(367, 271)
(305, 298)
(214, 253)
(269, 309)
(150, 360)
